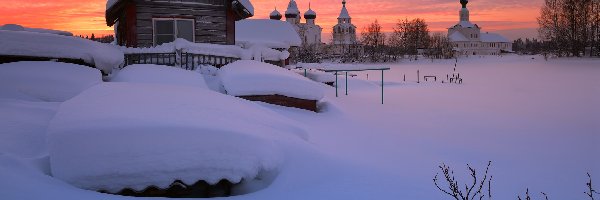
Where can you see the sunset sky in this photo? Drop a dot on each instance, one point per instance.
(514, 18)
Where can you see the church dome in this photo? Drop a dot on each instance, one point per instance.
(292, 10)
(310, 14)
(275, 15)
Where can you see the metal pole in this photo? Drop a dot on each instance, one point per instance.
(336, 84)
(346, 83)
(382, 86)
(304, 72)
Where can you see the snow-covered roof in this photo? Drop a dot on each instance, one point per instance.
(271, 33)
(466, 24)
(457, 37)
(248, 5)
(248, 77)
(16, 27)
(275, 13)
(344, 13)
(21, 43)
(310, 12)
(493, 37)
(292, 8)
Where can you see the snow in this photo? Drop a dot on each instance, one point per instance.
(190, 47)
(270, 33)
(16, 27)
(248, 5)
(292, 8)
(159, 74)
(458, 37)
(466, 24)
(21, 43)
(45, 80)
(125, 135)
(275, 13)
(493, 37)
(310, 12)
(245, 78)
(536, 120)
(344, 13)
(340, 67)
(23, 127)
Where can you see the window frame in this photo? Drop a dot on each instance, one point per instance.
(175, 27)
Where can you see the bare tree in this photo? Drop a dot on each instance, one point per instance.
(570, 25)
(440, 46)
(374, 41)
(454, 189)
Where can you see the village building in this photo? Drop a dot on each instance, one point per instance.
(344, 35)
(309, 32)
(147, 23)
(467, 38)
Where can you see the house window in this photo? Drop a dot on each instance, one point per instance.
(167, 30)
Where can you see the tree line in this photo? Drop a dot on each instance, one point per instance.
(570, 27)
(409, 38)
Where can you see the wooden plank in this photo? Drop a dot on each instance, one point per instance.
(284, 101)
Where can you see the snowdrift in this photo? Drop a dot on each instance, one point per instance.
(22, 43)
(125, 135)
(159, 74)
(246, 78)
(23, 126)
(45, 81)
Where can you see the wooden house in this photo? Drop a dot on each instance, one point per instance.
(146, 23)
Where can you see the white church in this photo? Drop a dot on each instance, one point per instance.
(344, 35)
(309, 32)
(467, 38)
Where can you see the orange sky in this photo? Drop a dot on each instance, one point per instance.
(86, 17)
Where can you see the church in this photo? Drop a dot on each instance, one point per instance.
(344, 36)
(467, 38)
(309, 32)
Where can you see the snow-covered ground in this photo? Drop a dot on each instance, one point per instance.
(537, 121)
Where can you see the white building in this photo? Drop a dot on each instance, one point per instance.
(344, 35)
(467, 39)
(310, 32)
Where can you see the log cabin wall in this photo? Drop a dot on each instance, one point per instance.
(210, 18)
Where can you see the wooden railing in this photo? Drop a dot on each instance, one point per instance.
(184, 60)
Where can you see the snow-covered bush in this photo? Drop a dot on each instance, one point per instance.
(45, 81)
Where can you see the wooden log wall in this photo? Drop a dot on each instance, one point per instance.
(210, 18)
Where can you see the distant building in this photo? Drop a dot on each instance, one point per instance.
(309, 32)
(467, 39)
(344, 35)
(153, 22)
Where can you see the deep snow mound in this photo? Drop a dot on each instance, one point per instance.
(159, 74)
(45, 81)
(248, 77)
(125, 135)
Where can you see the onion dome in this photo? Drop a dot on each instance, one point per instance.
(275, 15)
(292, 10)
(310, 14)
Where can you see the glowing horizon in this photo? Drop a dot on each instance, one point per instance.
(85, 18)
